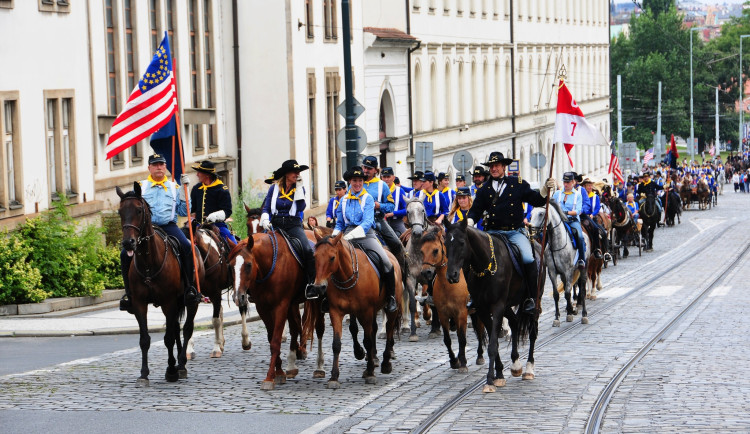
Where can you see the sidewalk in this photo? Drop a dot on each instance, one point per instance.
(107, 321)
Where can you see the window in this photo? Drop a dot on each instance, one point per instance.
(11, 186)
(171, 26)
(194, 94)
(153, 21)
(113, 103)
(6, 4)
(312, 134)
(330, 19)
(208, 69)
(61, 166)
(333, 86)
(62, 6)
(130, 56)
(309, 24)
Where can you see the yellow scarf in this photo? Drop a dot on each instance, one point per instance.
(335, 204)
(445, 190)
(374, 179)
(392, 188)
(357, 197)
(592, 194)
(287, 196)
(155, 183)
(459, 214)
(430, 196)
(213, 184)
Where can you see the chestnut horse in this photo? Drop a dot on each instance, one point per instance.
(155, 277)
(356, 290)
(449, 299)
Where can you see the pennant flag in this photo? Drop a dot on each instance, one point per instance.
(571, 127)
(149, 107)
(673, 148)
(649, 156)
(614, 167)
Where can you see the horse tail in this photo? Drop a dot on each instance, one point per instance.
(479, 330)
(309, 319)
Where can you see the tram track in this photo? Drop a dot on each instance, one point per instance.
(706, 238)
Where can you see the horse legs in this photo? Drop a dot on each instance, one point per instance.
(145, 341)
(173, 328)
(274, 327)
(445, 325)
(479, 331)
(374, 344)
(556, 297)
(582, 298)
(336, 318)
(461, 334)
(218, 323)
(381, 333)
(435, 326)
(369, 343)
(568, 293)
(515, 367)
(533, 332)
(295, 351)
(246, 344)
(320, 327)
(187, 331)
(392, 327)
(359, 352)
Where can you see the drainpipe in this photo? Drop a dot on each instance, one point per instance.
(237, 100)
(408, 78)
(512, 83)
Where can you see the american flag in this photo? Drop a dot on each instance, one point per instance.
(712, 151)
(614, 167)
(149, 107)
(649, 156)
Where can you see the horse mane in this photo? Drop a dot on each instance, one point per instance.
(325, 240)
(558, 208)
(241, 245)
(433, 234)
(254, 211)
(129, 194)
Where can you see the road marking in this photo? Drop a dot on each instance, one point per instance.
(720, 291)
(664, 291)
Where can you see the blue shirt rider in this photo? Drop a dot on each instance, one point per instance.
(445, 188)
(395, 218)
(416, 185)
(355, 217)
(435, 203)
(571, 202)
(384, 204)
(591, 207)
(340, 188)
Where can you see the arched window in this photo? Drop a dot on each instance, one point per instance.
(461, 93)
(498, 90)
(433, 95)
(521, 87)
(486, 94)
(448, 97)
(418, 97)
(507, 89)
(474, 91)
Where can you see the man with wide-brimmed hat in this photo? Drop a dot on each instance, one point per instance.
(339, 187)
(571, 202)
(166, 200)
(591, 207)
(478, 176)
(500, 201)
(355, 217)
(384, 204)
(395, 218)
(211, 200)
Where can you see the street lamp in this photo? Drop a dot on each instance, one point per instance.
(739, 106)
(692, 134)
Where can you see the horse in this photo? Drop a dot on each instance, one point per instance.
(214, 249)
(623, 224)
(356, 291)
(265, 270)
(703, 193)
(672, 208)
(650, 215)
(560, 258)
(450, 299)
(495, 289)
(155, 277)
(686, 194)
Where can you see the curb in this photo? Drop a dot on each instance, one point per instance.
(55, 307)
(203, 325)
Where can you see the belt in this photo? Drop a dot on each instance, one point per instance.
(505, 228)
(285, 220)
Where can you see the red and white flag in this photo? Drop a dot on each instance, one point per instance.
(712, 151)
(614, 167)
(571, 127)
(649, 156)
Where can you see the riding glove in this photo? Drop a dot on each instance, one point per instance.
(356, 233)
(217, 216)
(185, 179)
(265, 223)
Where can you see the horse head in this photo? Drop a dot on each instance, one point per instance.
(242, 260)
(618, 209)
(327, 260)
(433, 252)
(253, 219)
(416, 216)
(135, 217)
(457, 248)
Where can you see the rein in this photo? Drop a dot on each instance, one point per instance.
(355, 272)
(493, 261)
(275, 246)
(443, 255)
(144, 240)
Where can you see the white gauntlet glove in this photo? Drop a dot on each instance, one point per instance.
(265, 223)
(470, 222)
(185, 179)
(335, 232)
(356, 233)
(549, 185)
(217, 216)
(299, 192)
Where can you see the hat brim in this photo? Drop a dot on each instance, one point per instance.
(347, 178)
(282, 171)
(198, 168)
(503, 161)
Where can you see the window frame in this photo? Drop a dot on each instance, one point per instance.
(11, 203)
(62, 163)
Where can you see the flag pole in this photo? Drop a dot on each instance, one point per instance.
(540, 276)
(182, 165)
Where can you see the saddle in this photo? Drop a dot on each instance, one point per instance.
(571, 235)
(514, 252)
(373, 258)
(172, 243)
(295, 246)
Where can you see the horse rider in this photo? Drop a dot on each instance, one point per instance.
(478, 176)
(591, 207)
(460, 182)
(633, 206)
(500, 202)
(384, 204)
(166, 200)
(571, 202)
(339, 188)
(284, 209)
(435, 202)
(648, 187)
(461, 207)
(355, 216)
(416, 185)
(444, 185)
(211, 199)
(396, 221)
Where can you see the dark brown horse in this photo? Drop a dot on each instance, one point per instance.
(450, 299)
(355, 290)
(623, 224)
(155, 278)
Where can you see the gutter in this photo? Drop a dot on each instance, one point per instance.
(408, 80)
(512, 83)
(237, 98)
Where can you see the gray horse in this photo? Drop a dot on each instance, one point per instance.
(560, 259)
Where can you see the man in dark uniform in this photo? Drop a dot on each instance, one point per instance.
(648, 187)
(478, 176)
(500, 201)
(211, 200)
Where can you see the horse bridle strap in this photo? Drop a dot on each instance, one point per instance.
(493, 261)
(355, 272)
(444, 258)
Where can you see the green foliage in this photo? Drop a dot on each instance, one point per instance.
(658, 6)
(19, 278)
(252, 195)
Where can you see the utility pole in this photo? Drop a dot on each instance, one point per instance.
(619, 115)
(657, 148)
(351, 132)
(740, 104)
(716, 145)
(690, 145)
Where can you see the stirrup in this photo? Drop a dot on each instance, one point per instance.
(529, 306)
(125, 304)
(390, 304)
(607, 257)
(581, 264)
(192, 296)
(598, 254)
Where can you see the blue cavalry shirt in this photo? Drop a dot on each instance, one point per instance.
(281, 203)
(380, 192)
(164, 200)
(356, 210)
(399, 201)
(570, 201)
(333, 203)
(435, 203)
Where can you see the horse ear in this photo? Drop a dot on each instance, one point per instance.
(337, 238)
(119, 192)
(137, 188)
(447, 224)
(250, 242)
(318, 234)
(247, 208)
(463, 224)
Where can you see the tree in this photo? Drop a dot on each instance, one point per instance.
(658, 6)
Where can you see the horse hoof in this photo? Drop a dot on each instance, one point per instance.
(515, 373)
(528, 376)
(499, 382)
(455, 364)
(405, 329)
(480, 361)
(386, 368)
(488, 388)
(279, 379)
(301, 355)
(359, 353)
(592, 298)
(585, 320)
(569, 318)
(215, 354)
(575, 311)
(413, 338)
(463, 370)
(556, 323)
(428, 322)
(142, 382)
(433, 335)
(381, 335)
(247, 347)
(376, 362)
(171, 375)
(182, 373)
(267, 385)
(283, 338)
(332, 384)
(191, 356)
(319, 374)
(371, 380)
(292, 373)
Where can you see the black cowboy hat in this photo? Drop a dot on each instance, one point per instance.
(269, 180)
(288, 166)
(417, 175)
(497, 157)
(354, 172)
(463, 191)
(157, 158)
(370, 162)
(479, 171)
(206, 167)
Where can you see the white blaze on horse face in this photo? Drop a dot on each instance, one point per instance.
(238, 261)
(255, 224)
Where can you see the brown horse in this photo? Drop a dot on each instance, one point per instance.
(686, 194)
(703, 194)
(356, 290)
(155, 277)
(265, 270)
(449, 299)
(214, 250)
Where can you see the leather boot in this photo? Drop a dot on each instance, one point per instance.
(310, 292)
(532, 291)
(192, 296)
(390, 292)
(581, 264)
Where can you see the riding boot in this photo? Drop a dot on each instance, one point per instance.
(310, 292)
(390, 291)
(531, 272)
(192, 296)
(581, 264)
(125, 302)
(605, 245)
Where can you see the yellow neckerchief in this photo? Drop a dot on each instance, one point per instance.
(446, 190)
(287, 196)
(459, 214)
(357, 197)
(646, 183)
(430, 196)
(155, 183)
(374, 179)
(335, 203)
(392, 187)
(592, 194)
(631, 203)
(213, 184)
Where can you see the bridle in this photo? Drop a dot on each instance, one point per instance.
(443, 257)
(354, 278)
(493, 262)
(144, 240)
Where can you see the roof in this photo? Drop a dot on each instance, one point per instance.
(389, 34)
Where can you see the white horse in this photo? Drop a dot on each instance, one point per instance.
(721, 179)
(560, 259)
